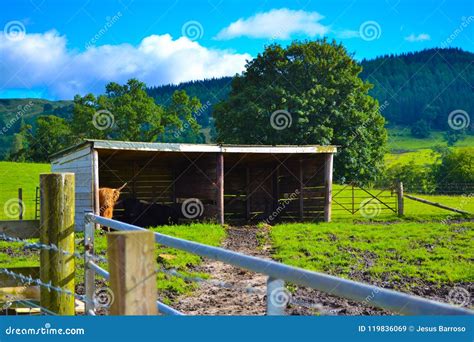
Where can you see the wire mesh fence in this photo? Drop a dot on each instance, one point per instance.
(450, 189)
(19, 203)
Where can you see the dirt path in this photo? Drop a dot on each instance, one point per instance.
(211, 299)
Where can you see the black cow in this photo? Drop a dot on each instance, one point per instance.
(144, 214)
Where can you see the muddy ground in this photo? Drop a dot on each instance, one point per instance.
(233, 291)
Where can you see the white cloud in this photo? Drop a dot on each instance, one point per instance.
(276, 24)
(418, 38)
(43, 60)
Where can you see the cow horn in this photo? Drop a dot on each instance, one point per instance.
(123, 186)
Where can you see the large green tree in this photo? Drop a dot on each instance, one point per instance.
(52, 134)
(456, 167)
(307, 93)
(126, 112)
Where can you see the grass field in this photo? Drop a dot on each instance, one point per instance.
(419, 157)
(408, 251)
(400, 139)
(404, 147)
(14, 176)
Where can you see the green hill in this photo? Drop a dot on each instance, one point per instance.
(14, 112)
(425, 85)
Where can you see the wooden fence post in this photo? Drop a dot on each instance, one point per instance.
(20, 203)
(57, 227)
(401, 209)
(328, 164)
(132, 272)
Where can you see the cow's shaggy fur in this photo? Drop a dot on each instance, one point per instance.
(108, 197)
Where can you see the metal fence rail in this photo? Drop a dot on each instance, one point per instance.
(398, 302)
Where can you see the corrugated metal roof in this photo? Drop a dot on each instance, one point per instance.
(177, 147)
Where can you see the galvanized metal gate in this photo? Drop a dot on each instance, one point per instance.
(354, 199)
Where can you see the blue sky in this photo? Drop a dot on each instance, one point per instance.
(56, 49)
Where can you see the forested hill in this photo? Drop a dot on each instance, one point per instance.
(209, 92)
(425, 85)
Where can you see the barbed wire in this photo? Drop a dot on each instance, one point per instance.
(49, 286)
(29, 304)
(50, 247)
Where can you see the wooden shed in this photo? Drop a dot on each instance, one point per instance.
(231, 182)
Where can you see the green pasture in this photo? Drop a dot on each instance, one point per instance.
(405, 253)
(14, 176)
(400, 139)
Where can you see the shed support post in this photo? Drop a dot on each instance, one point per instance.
(57, 228)
(328, 186)
(220, 187)
(131, 256)
(95, 181)
(401, 209)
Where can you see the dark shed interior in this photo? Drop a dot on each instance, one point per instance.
(252, 186)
